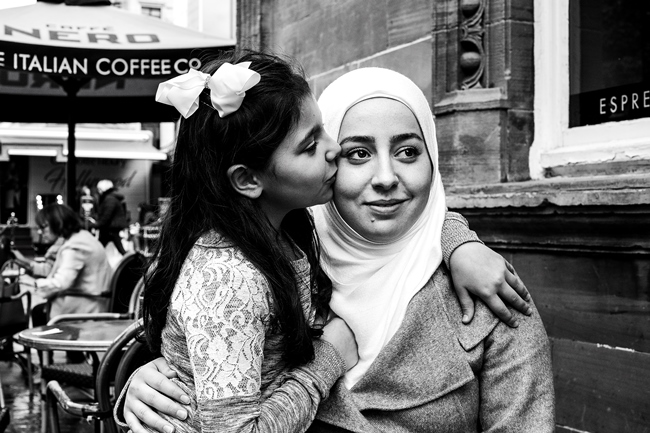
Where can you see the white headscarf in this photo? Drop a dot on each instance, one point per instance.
(373, 283)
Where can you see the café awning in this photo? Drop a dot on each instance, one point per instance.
(83, 61)
(91, 143)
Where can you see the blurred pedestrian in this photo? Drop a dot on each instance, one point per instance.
(111, 215)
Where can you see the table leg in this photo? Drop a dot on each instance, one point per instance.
(45, 360)
(30, 371)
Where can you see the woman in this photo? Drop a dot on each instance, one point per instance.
(419, 367)
(80, 271)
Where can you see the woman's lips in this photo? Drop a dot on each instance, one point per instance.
(385, 206)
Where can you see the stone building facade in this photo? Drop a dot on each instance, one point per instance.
(567, 205)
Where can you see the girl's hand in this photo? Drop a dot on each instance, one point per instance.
(151, 387)
(478, 270)
(339, 334)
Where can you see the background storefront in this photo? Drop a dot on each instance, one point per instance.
(32, 163)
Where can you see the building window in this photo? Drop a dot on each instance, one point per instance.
(609, 61)
(586, 53)
(152, 11)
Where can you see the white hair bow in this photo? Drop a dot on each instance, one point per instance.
(228, 86)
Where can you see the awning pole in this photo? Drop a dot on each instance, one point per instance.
(71, 165)
(71, 85)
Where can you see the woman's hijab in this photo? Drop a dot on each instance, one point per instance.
(374, 283)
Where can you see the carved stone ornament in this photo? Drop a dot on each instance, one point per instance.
(472, 52)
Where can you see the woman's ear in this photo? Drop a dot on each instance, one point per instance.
(245, 181)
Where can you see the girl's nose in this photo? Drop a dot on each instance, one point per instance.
(333, 149)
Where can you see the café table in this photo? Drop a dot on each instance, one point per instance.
(76, 335)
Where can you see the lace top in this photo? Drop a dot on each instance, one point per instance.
(228, 359)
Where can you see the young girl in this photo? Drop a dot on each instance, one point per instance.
(235, 296)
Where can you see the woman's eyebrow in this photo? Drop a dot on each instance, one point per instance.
(404, 137)
(358, 139)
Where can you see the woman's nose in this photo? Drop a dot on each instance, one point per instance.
(333, 149)
(385, 176)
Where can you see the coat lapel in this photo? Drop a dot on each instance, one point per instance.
(401, 377)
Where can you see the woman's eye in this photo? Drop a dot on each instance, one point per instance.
(408, 152)
(357, 154)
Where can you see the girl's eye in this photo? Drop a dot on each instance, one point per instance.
(311, 148)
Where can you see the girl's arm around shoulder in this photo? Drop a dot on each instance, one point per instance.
(455, 232)
(478, 270)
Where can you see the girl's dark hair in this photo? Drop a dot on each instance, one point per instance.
(63, 221)
(203, 199)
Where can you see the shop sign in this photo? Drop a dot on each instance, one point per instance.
(610, 105)
(137, 62)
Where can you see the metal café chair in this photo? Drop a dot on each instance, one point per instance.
(125, 284)
(101, 371)
(14, 317)
(121, 359)
(4, 410)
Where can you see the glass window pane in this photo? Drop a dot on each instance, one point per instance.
(152, 11)
(609, 60)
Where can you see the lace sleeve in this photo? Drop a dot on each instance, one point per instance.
(223, 312)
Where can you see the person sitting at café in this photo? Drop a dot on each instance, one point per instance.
(39, 268)
(80, 271)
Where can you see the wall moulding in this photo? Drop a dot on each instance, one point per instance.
(476, 99)
(483, 89)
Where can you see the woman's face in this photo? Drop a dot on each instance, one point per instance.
(303, 168)
(46, 232)
(385, 173)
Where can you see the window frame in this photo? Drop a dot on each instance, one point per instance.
(555, 144)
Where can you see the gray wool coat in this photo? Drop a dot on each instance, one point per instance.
(438, 375)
